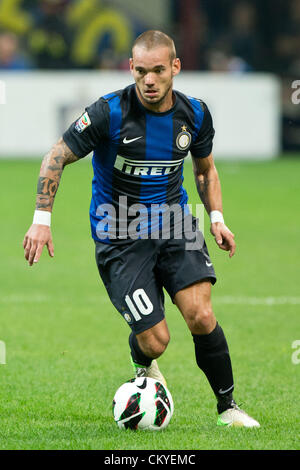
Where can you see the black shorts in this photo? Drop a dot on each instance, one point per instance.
(136, 272)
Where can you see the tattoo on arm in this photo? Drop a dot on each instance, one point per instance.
(51, 170)
(202, 187)
(46, 186)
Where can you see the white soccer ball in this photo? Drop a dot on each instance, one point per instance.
(143, 403)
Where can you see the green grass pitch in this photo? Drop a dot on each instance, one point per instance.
(67, 348)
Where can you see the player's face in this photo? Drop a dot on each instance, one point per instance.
(153, 73)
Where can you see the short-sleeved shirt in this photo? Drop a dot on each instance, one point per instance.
(138, 157)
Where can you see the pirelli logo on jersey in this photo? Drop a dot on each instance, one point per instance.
(147, 167)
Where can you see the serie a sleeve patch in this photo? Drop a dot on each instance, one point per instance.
(83, 122)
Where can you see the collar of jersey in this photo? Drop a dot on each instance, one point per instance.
(158, 114)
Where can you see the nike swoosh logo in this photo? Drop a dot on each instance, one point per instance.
(127, 141)
(208, 264)
(224, 391)
(143, 384)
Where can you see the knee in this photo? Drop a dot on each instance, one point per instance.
(154, 346)
(200, 318)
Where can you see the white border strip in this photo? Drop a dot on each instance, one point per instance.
(2, 92)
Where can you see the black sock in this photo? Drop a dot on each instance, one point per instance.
(212, 356)
(136, 353)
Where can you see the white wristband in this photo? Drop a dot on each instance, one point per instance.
(216, 216)
(42, 218)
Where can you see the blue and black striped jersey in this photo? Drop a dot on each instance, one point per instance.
(138, 154)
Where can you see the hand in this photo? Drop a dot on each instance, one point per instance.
(224, 237)
(35, 239)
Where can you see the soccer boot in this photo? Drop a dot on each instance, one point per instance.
(235, 417)
(152, 371)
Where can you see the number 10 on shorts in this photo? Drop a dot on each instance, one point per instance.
(139, 304)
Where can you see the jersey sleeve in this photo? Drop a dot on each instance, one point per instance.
(202, 145)
(84, 135)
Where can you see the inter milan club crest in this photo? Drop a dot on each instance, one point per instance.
(183, 139)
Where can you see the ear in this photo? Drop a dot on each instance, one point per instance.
(131, 64)
(176, 67)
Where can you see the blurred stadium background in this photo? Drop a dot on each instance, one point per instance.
(66, 347)
(251, 48)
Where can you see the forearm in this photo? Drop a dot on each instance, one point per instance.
(209, 189)
(50, 174)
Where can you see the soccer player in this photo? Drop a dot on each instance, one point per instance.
(140, 136)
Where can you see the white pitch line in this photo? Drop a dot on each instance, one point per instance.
(269, 301)
(40, 298)
(23, 298)
(227, 299)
